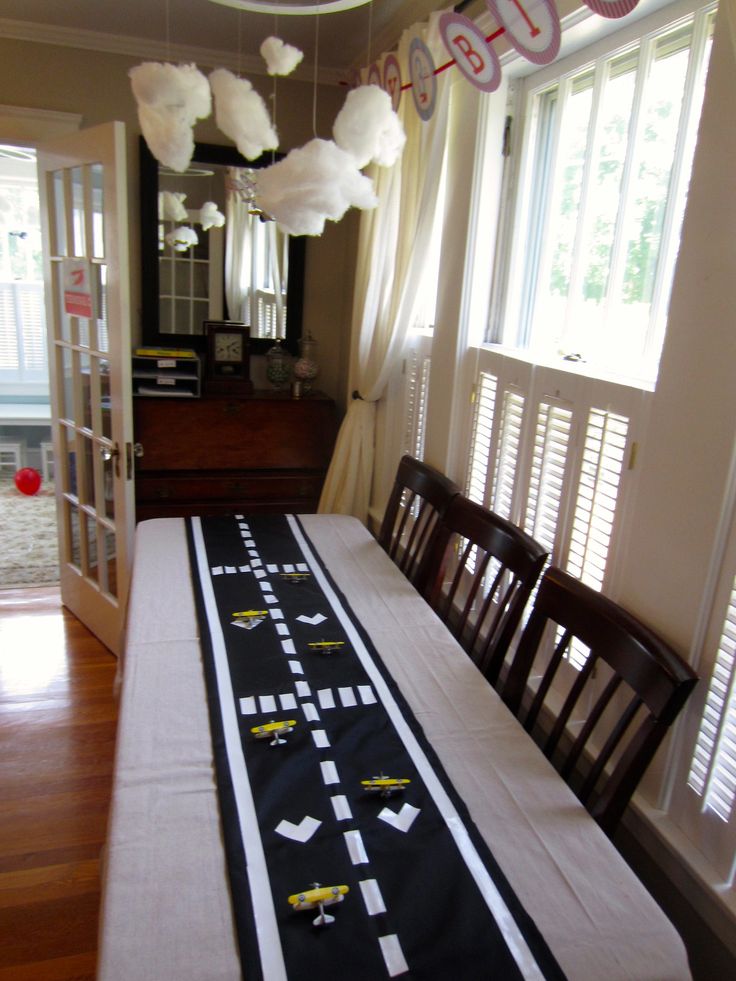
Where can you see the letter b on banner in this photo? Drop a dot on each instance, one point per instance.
(466, 44)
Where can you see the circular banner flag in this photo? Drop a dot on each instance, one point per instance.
(423, 81)
(466, 43)
(532, 27)
(392, 80)
(611, 8)
(374, 75)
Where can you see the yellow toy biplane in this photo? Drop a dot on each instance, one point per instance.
(317, 897)
(385, 786)
(275, 730)
(326, 646)
(248, 618)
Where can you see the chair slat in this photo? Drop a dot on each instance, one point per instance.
(627, 719)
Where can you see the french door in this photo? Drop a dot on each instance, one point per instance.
(83, 192)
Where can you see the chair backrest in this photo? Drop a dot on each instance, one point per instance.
(483, 569)
(619, 716)
(418, 500)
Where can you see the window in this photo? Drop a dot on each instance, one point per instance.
(605, 168)
(23, 360)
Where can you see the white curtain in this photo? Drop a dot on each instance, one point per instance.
(256, 264)
(393, 247)
(238, 257)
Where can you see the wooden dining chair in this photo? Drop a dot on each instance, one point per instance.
(418, 499)
(599, 726)
(482, 569)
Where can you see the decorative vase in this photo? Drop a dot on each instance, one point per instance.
(306, 368)
(278, 367)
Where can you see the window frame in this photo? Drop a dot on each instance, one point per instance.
(511, 297)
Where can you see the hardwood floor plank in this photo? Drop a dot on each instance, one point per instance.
(58, 716)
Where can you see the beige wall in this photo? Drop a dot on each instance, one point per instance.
(96, 85)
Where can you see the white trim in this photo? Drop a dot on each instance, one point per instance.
(146, 50)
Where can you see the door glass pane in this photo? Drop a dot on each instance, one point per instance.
(105, 398)
(97, 172)
(78, 211)
(67, 327)
(108, 566)
(85, 371)
(58, 202)
(103, 338)
(83, 333)
(87, 477)
(108, 473)
(72, 517)
(67, 383)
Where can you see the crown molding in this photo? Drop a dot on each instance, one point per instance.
(135, 47)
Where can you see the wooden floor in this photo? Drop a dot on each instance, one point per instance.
(57, 738)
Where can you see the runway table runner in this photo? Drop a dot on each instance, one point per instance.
(349, 852)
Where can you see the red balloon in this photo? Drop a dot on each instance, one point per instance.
(27, 480)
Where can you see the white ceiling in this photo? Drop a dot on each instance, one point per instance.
(191, 30)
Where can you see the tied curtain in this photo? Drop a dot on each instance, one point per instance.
(393, 247)
(256, 264)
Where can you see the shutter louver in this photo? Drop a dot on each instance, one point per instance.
(507, 454)
(713, 767)
(480, 450)
(546, 483)
(595, 507)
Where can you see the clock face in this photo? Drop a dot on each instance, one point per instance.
(229, 347)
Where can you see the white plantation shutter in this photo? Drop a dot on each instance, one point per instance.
(597, 496)
(507, 454)
(22, 332)
(480, 449)
(416, 398)
(545, 502)
(713, 766)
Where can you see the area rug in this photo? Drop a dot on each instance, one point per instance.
(28, 539)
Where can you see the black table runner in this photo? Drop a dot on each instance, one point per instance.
(282, 650)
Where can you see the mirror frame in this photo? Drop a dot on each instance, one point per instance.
(150, 334)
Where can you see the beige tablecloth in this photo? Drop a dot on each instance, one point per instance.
(166, 911)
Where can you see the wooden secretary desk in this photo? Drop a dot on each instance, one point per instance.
(216, 455)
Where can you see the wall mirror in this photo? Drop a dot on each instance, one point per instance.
(245, 270)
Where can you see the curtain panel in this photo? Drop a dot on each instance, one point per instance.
(393, 246)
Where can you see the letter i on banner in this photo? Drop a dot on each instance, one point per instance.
(474, 57)
(532, 27)
(423, 80)
(392, 80)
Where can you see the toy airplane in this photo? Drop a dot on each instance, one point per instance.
(294, 576)
(385, 786)
(274, 729)
(317, 898)
(326, 646)
(248, 618)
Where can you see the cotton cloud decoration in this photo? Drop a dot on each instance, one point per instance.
(171, 206)
(171, 98)
(280, 58)
(182, 238)
(368, 128)
(311, 184)
(210, 216)
(241, 114)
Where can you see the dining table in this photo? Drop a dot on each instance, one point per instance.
(167, 900)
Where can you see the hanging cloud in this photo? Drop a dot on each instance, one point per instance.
(311, 184)
(210, 216)
(241, 114)
(280, 58)
(171, 206)
(182, 238)
(171, 98)
(368, 128)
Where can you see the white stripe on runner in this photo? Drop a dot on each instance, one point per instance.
(267, 929)
(494, 900)
(393, 955)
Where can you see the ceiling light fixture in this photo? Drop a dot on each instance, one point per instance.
(293, 9)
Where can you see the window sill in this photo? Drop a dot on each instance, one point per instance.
(579, 368)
